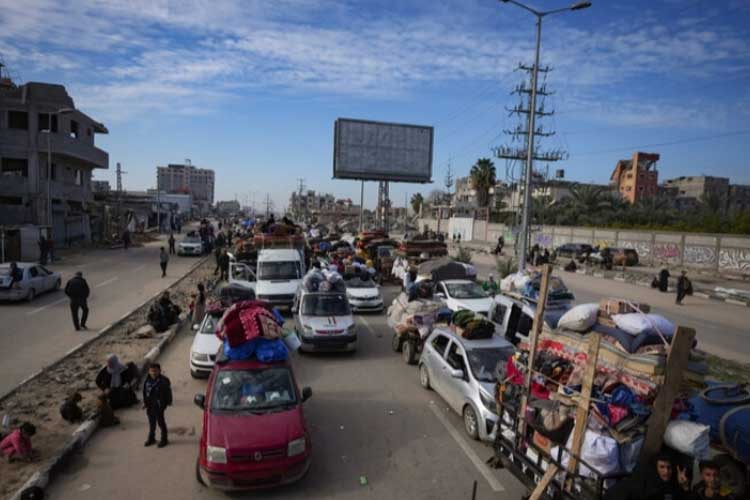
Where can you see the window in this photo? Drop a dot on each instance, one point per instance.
(11, 200)
(440, 343)
(88, 131)
(18, 167)
(34, 272)
(498, 315)
(74, 129)
(44, 122)
(78, 177)
(456, 357)
(18, 119)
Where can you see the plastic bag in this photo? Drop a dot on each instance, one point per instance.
(690, 438)
(241, 352)
(270, 350)
(637, 323)
(598, 450)
(580, 318)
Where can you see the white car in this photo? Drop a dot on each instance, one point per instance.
(35, 280)
(324, 322)
(279, 276)
(205, 346)
(191, 245)
(463, 294)
(364, 295)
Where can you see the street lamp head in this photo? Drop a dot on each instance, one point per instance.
(580, 5)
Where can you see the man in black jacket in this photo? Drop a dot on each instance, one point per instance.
(157, 395)
(78, 291)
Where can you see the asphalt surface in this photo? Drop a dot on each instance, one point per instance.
(369, 418)
(722, 329)
(34, 334)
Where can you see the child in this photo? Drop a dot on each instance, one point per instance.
(70, 411)
(107, 416)
(17, 444)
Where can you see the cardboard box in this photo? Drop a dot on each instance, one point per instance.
(618, 306)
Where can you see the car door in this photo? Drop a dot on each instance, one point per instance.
(45, 278)
(241, 274)
(454, 388)
(498, 315)
(36, 281)
(433, 358)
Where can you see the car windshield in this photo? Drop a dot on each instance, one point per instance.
(325, 305)
(360, 283)
(191, 239)
(209, 325)
(465, 291)
(253, 390)
(484, 361)
(282, 270)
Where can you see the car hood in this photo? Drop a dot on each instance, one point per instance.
(205, 343)
(250, 432)
(280, 287)
(476, 305)
(358, 293)
(326, 323)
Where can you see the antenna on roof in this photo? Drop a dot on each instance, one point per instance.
(6, 82)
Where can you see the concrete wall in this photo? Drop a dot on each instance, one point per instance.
(724, 254)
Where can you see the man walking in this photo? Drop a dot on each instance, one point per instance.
(171, 244)
(223, 265)
(163, 261)
(684, 287)
(157, 395)
(78, 291)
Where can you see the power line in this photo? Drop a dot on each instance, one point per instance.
(663, 144)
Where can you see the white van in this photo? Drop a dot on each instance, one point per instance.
(279, 275)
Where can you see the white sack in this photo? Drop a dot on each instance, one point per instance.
(637, 323)
(580, 318)
(690, 438)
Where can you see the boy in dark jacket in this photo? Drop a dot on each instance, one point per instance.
(157, 395)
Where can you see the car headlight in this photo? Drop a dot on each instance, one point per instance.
(198, 356)
(296, 447)
(488, 403)
(307, 330)
(350, 328)
(216, 454)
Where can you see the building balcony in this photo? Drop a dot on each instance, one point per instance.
(63, 145)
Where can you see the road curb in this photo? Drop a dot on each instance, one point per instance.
(83, 433)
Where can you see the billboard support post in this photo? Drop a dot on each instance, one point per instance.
(362, 207)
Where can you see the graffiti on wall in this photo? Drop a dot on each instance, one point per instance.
(543, 240)
(700, 256)
(642, 247)
(735, 260)
(667, 252)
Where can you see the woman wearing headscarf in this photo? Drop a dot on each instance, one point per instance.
(199, 305)
(115, 380)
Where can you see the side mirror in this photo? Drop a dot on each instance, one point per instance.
(306, 394)
(455, 373)
(440, 295)
(196, 326)
(200, 401)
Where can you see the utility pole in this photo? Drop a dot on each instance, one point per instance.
(362, 206)
(268, 205)
(531, 131)
(300, 188)
(119, 171)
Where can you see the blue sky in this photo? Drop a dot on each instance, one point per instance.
(251, 88)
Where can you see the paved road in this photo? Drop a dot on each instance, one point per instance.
(722, 328)
(369, 417)
(34, 334)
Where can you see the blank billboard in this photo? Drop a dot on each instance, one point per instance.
(377, 151)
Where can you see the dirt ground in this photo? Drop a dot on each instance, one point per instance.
(39, 400)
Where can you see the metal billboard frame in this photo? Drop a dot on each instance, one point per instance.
(384, 177)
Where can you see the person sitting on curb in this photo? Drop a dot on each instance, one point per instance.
(116, 382)
(17, 444)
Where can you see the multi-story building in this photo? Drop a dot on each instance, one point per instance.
(689, 191)
(187, 178)
(100, 186)
(47, 155)
(637, 178)
(309, 201)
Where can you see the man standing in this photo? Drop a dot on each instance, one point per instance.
(157, 395)
(42, 250)
(171, 244)
(163, 261)
(224, 265)
(78, 291)
(684, 287)
(126, 239)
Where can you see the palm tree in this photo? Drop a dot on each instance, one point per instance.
(483, 178)
(417, 200)
(587, 204)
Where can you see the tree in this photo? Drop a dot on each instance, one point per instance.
(417, 200)
(483, 178)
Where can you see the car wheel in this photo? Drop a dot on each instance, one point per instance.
(396, 342)
(409, 352)
(30, 296)
(424, 377)
(470, 422)
(198, 476)
(58, 284)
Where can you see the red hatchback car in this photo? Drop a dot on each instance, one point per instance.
(254, 431)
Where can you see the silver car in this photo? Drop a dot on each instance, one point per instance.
(35, 280)
(463, 373)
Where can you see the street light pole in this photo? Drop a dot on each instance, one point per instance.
(525, 216)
